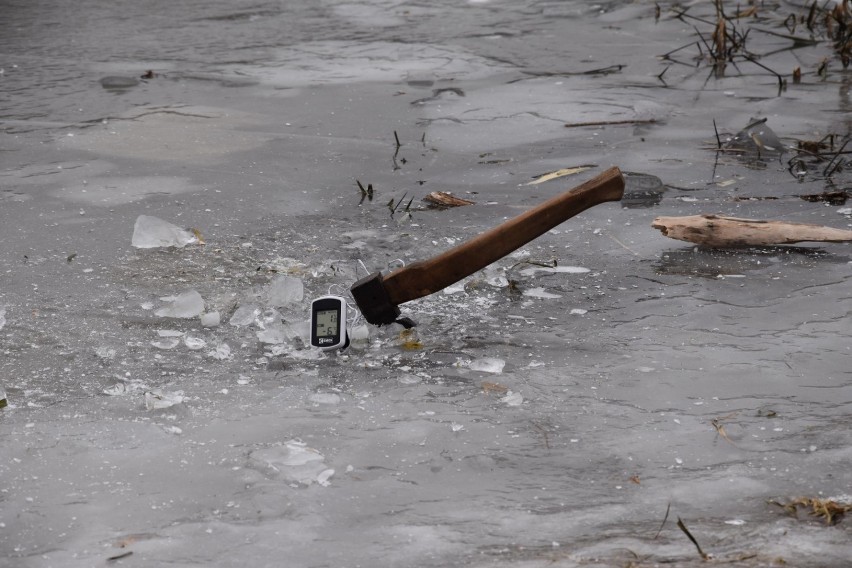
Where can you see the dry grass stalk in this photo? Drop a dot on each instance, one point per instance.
(831, 511)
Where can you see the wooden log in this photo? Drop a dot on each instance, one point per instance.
(715, 231)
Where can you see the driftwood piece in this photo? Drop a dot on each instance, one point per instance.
(442, 199)
(715, 231)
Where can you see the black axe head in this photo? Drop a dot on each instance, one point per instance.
(373, 300)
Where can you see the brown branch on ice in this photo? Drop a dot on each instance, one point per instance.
(715, 231)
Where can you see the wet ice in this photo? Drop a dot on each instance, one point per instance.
(432, 470)
(296, 462)
(187, 304)
(284, 290)
(152, 232)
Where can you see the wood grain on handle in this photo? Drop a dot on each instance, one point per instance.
(429, 276)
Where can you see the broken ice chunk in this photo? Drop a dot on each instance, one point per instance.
(269, 317)
(295, 461)
(169, 333)
(117, 389)
(756, 137)
(512, 399)
(325, 398)
(105, 353)
(495, 277)
(2, 316)
(244, 315)
(153, 232)
(488, 365)
(540, 293)
(360, 333)
(187, 304)
(284, 290)
(454, 288)
(221, 353)
(273, 334)
(409, 379)
(277, 333)
(157, 399)
(166, 343)
(532, 271)
(210, 319)
(194, 343)
(324, 476)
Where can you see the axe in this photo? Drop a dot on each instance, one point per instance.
(378, 297)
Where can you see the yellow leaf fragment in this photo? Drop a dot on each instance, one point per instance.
(409, 341)
(558, 174)
(488, 387)
(198, 235)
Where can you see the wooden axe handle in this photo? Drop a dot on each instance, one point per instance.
(429, 276)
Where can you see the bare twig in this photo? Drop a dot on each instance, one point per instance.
(685, 530)
(666, 518)
(611, 122)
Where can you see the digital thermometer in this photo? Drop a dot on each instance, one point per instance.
(328, 323)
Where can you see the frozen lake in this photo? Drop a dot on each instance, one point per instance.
(564, 407)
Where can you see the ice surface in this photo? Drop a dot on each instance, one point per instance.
(2, 316)
(409, 379)
(166, 343)
(359, 333)
(512, 399)
(540, 292)
(342, 62)
(274, 331)
(221, 353)
(598, 423)
(456, 288)
(324, 477)
(194, 343)
(495, 276)
(245, 315)
(534, 270)
(117, 389)
(488, 365)
(169, 333)
(325, 398)
(187, 304)
(158, 399)
(273, 334)
(284, 290)
(210, 319)
(104, 352)
(111, 191)
(153, 232)
(296, 462)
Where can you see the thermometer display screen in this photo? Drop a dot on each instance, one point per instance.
(327, 323)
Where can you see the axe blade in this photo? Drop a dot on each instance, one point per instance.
(373, 300)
